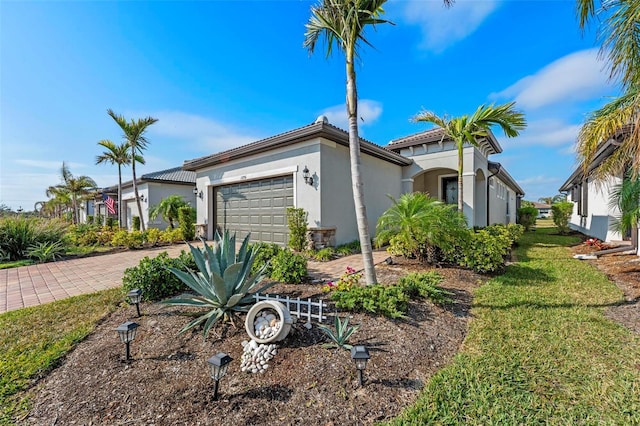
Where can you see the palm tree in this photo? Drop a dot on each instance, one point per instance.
(136, 141)
(626, 197)
(621, 47)
(465, 129)
(343, 22)
(168, 209)
(120, 155)
(76, 188)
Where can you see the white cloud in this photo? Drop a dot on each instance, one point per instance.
(368, 111)
(442, 26)
(208, 134)
(576, 77)
(547, 132)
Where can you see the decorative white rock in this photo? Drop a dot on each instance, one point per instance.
(255, 357)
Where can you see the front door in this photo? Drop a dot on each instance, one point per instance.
(450, 190)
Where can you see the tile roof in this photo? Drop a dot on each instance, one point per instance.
(436, 135)
(173, 175)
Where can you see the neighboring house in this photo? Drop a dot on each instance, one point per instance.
(544, 210)
(247, 189)
(152, 188)
(591, 212)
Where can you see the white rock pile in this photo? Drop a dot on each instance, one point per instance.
(255, 357)
(266, 325)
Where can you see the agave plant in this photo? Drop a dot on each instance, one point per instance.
(341, 335)
(223, 283)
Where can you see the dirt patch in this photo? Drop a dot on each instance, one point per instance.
(167, 382)
(624, 271)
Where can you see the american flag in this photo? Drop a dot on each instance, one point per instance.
(108, 201)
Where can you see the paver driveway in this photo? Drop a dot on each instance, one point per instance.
(42, 283)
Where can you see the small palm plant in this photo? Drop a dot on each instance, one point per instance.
(341, 335)
(224, 283)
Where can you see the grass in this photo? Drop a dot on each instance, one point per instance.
(33, 340)
(539, 349)
(15, 263)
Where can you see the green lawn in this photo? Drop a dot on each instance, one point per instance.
(32, 341)
(539, 349)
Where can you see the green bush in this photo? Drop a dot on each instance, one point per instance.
(98, 220)
(112, 222)
(90, 219)
(289, 267)
(18, 233)
(153, 277)
(418, 226)
(561, 215)
(425, 285)
(171, 236)
(47, 251)
(135, 222)
(153, 236)
(325, 254)
(120, 238)
(297, 222)
(527, 217)
(485, 252)
(187, 225)
(264, 252)
(135, 239)
(390, 301)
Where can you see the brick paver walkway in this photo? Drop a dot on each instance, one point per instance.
(46, 282)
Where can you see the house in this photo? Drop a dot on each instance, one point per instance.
(152, 188)
(248, 189)
(544, 210)
(592, 214)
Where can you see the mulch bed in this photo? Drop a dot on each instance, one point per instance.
(167, 382)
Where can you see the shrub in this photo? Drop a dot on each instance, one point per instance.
(340, 337)
(561, 215)
(135, 239)
(418, 226)
(111, 222)
(224, 283)
(486, 253)
(264, 253)
(153, 236)
(187, 226)
(527, 217)
(105, 236)
(347, 280)
(171, 236)
(19, 233)
(289, 267)
(324, 254)
(99, 219)
(297, 222)
(47, 251)
(153, 277)
(390, 301)
(425, 285)
(120, 238)
(90, 219)
(135, 221)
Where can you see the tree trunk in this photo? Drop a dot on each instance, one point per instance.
(120, 221)
(460, 168)
(356, 177)
(135, 189)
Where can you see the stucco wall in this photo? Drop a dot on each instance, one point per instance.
(158, 191)
(380, 178)
(599, 217)
(499, 196)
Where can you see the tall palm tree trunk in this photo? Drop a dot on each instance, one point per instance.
(135, 190)
(120, 221)
(460, 170)
(356, 177)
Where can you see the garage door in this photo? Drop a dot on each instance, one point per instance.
(257, 207)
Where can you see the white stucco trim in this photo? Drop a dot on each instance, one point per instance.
(469, 174)
(254, 176)
(407, 180)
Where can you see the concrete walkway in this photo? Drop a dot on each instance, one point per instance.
(46, 282)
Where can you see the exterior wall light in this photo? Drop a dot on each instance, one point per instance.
(127, 333)
(197, 193)
(142, 197)
(218, 369)
(308, 179)
(360, 356)
(135, 297)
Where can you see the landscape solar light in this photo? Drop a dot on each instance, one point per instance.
(218, 369)
(127, 333)
(360, 356)
(135, 297)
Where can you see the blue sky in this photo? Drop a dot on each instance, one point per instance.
(220, 74)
